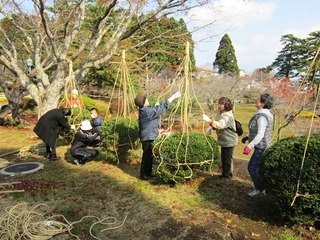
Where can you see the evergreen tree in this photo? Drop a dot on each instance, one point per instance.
(289, 60)
(312, 56)
(226, 61)
(165, 40)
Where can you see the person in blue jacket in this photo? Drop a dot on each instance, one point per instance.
(148, 129)
(96, 121)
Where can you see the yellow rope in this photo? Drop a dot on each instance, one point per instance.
(24, 222)
(185, 86)
(305, 151)
(123, 91)
(289, 110)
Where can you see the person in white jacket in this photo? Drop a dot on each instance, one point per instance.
(224, 124)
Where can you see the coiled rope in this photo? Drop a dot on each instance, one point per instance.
(24, 222)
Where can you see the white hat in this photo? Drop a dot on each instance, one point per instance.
(75, 92)
(86, 125)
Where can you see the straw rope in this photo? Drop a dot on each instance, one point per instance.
(183, 80)
(25, 222)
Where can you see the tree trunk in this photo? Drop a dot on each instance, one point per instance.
(14, 95)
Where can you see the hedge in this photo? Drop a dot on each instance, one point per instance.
(281, 170)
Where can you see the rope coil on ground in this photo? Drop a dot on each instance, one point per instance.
(4, 162)
(23, 222)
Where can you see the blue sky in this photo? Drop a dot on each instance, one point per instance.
(255, 28)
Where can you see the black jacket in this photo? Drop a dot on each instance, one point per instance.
(47, 128)
(83, 139)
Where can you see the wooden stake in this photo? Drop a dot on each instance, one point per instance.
(11, 191)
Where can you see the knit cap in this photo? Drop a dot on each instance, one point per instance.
(140, 100)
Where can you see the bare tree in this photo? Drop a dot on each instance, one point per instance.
(210, 87)
(64, 40)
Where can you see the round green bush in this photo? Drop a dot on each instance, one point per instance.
(180, 155)
(281, 169)
(119, 136)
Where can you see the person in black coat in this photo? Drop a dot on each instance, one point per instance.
(82, 139)
(47, 129)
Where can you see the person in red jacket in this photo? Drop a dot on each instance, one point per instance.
(75, 101)
(47, 129)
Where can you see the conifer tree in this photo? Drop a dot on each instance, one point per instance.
(288, 61)
(226, 61)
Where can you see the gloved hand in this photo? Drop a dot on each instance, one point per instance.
(244, 139)
(174, 96)
(73, 127)
(246, 150)
(208, 130)
(206, 118)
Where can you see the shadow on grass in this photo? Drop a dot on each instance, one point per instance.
(102, 191)
(232, 195)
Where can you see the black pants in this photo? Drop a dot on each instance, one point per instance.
(147, 157)
(84, 155)
(227, 161)
(51, 150)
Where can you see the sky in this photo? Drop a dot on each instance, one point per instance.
(255, 28)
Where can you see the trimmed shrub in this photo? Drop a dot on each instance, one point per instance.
(281, 169)
(119, 136)
(92, 103)
(180, 155)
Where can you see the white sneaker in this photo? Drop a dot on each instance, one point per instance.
(77, 162)
(254, 193)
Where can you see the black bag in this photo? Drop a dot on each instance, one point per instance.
(239, 129)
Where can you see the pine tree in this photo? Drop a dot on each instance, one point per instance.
(313, 45)
(226, 61)
(289, 59)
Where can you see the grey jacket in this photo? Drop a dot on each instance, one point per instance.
(254, 126)
(222, 122)
(149, 120)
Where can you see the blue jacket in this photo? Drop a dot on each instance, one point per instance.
(149, 120)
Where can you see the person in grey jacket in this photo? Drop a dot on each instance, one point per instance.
(259, 137)
(148, 129)
(224, 124)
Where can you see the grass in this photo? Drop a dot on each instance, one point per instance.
(206, 208)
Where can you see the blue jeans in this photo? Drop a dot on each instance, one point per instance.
(253, 166)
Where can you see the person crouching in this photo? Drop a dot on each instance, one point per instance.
(82, 139)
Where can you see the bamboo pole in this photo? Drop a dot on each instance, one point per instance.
(124, 83)
(186, 91)
(11, 191)
(9, 183)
